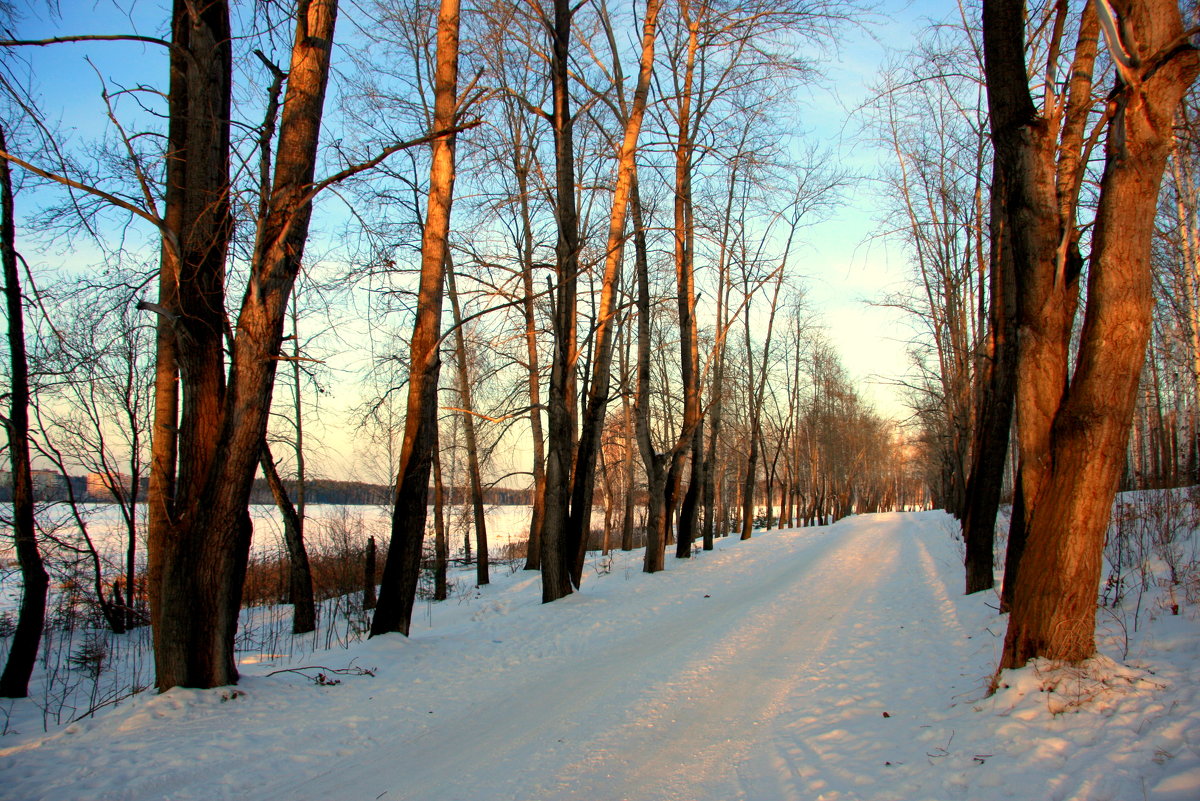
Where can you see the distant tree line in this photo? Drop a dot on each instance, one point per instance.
(318, 491)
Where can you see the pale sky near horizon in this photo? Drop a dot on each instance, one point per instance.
(853, 265)
(845, 264)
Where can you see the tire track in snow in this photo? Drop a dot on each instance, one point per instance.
(838, 734)
(679, 700)
(711, 714)
(790, 760)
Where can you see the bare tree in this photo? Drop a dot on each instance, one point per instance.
(1177, 261)
(1072, 434)
(398, 589)
(198, 513)
(300, 586)
(92, 409)
(22, 654)
(557, 555)
(579, 522)
(468, 411)
(657, 464)
(932, 120)
(196, 228)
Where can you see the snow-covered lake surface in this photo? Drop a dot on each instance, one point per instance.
(826, 664)
(107, 528)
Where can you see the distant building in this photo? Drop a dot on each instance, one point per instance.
(100, 486)
(48, 485)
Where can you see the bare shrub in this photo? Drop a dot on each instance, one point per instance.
(91, 656)
(1152, 543)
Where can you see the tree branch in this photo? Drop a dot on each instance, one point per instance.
(96, 37)
(91, 190)
(483, 416)
(355, 169)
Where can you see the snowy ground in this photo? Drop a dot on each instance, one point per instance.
(831, 663)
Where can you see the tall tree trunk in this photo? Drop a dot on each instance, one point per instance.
(657, 514)
(1073, 437)
(1039, 215)
(580, 519)
(370, 599)
(300, 590)
(533, 557)
(132, 618)
(468, 409)
(630, 442)
(708, 488)
(189, 376)
(995, 406)
(400, 572)
(300, 587)
(22, 654)
(301, 576)
(441, 544)
(129, 501)
(689, 353)
(750, 476)
(557, 554)
(724, 290)
(772, 471)
(222, 426)
(756, 387)
(606, 490)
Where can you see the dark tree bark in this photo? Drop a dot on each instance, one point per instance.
(656, 464)
(300, 586)
(757, 389)
(464, 393)
(580, 519)
(1015, 549)
(662, 468)
(1045, 275)
(630, 442)
(994, 407)
(22, 654)
(402, 567)
(189, 386)
(369, 568)
(441, 543)
(557, 555)
(200, 538)
(717, 405)
(685, 277)
(750, 478)
(533, 556)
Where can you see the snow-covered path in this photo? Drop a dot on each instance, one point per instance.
(833, 663)
(687, 698)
